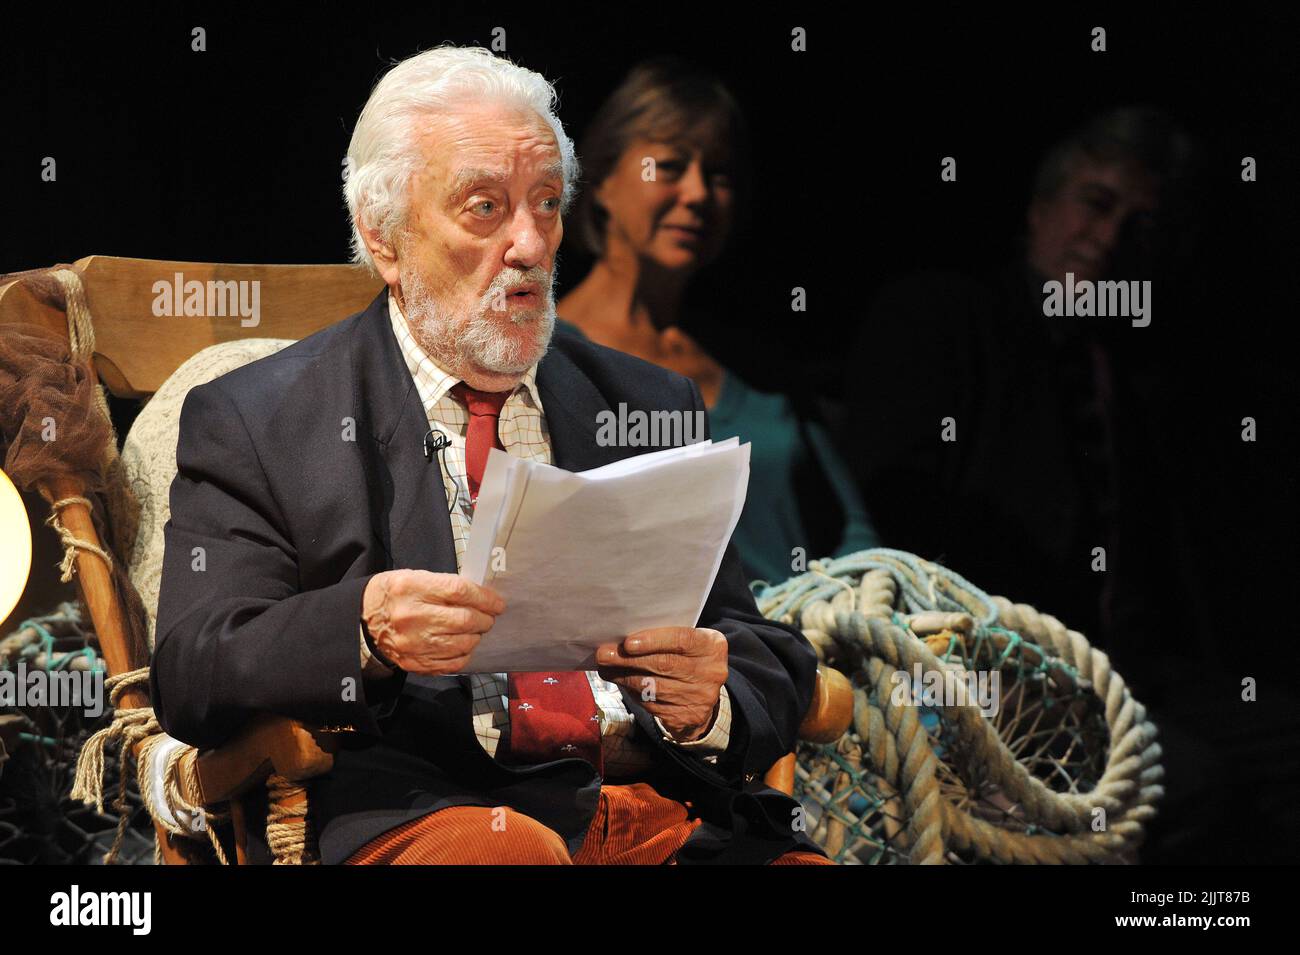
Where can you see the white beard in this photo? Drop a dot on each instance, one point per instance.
(477, 340)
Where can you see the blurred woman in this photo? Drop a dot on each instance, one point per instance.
(663, 163)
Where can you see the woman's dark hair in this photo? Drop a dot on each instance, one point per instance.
(667, 99)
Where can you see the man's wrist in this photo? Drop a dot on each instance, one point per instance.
(717, 735)
(701, 732)
(373, 649)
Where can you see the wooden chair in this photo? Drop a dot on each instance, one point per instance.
(135, 352)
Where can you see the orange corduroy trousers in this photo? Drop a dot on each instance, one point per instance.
(633, 825)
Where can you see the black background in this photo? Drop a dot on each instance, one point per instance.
(234, 154)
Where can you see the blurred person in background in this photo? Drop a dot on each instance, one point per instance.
(1074, 434)
(1050, 414)
(666, 177)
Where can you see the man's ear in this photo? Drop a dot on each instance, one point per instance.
(384, 254)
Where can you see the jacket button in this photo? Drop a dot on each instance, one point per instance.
(750, 777)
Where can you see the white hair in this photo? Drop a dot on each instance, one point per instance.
(385, 153)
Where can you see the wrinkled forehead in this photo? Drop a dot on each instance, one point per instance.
(501, 172)
(488, 141)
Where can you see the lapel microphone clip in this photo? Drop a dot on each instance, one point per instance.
(434, 441)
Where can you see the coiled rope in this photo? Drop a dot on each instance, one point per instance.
(132, 726)
(882, 614)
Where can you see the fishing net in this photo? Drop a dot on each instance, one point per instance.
(40, 822)
(983, 731)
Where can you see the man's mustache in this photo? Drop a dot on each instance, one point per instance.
(509, 278)
(494, 299)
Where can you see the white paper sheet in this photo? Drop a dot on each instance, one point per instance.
(588, 558)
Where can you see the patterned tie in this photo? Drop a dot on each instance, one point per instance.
(552, 715)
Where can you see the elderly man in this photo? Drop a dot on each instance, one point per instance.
(331, 486)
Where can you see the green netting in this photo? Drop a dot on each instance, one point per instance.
(1047, 759)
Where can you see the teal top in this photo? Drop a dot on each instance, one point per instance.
(774, 521)
(783, 449)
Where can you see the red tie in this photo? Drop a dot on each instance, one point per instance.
(552, 715)
(481, 437)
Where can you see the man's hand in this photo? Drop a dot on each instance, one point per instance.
(425, 622)
(677, 671)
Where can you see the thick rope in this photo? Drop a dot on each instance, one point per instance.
(914, 775)
(72, 543)
(129, 726)
(132, 726)
(286, 823)
(81, 331)
(865, 623)
(122, 506)
(181, 792)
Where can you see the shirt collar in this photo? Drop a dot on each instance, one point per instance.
(424, 369)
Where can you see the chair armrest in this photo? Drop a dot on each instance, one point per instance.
(276, 744)
(828, 717)
(831, 710)
(270, 744)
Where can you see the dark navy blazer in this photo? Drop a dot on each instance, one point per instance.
(301, 476)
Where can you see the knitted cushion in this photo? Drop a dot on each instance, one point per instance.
(149, 454)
